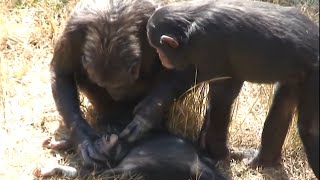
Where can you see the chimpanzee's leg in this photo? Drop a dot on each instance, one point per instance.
(222, 94)
(276, 125)
(308, 120)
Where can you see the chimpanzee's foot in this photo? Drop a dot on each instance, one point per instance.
(259, 160)
(218, 152)
(56, 145)
(254, 158)
(56, 169)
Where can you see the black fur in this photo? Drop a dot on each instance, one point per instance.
(247, 41)
(103, 52)
(159, 156)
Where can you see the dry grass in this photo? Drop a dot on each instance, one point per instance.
(28, 29)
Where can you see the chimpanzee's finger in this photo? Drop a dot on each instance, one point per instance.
(108, 144)
(95, 154)
(87, 160)
(135, 134)
(56, 145)
(127, 132)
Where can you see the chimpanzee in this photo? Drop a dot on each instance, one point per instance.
(104, 53)
(157, 156)
(247, 41)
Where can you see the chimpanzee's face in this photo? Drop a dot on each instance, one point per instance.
(113, 63)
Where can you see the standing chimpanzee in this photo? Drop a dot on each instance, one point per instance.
(104, 53)
(247, 41)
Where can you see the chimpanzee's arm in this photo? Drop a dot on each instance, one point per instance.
(151, 111)
(64, 65)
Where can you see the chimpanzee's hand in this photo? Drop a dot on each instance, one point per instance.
(136, 129)
(99, 153)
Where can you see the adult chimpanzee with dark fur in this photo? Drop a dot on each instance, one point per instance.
(161, 156)
(104, 53)
(247, 41)
(157, 156)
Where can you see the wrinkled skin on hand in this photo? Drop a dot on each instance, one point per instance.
(151, 112)
(103, 151)
(100, 153)
(135, 129)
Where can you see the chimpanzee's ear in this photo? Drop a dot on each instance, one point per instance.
(169, 40)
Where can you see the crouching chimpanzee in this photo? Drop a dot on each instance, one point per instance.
(247, 41)
(104, 53)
